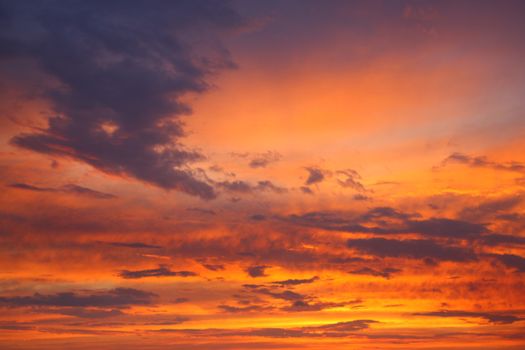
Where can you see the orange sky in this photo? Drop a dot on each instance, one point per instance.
(262, 175)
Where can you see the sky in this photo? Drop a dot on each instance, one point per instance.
(234, 175)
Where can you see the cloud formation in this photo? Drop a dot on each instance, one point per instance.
(120, 78)
(386, 220)
(69, 188)
(483, 162)
(262, 160)
(315, 175)
(257, 270)
(411, 248)
(351, 179)
(161, 271)
(491, 317)
(118, 297)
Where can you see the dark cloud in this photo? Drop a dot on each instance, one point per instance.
(274, 293)
(334, 330)
(385, 273)
(411, 248)
(161, 271)
(118, 78)
(244, 187)
(298, 302)
(483, 162)
(213, 267)
(386, 213)
(90, 313)
(294, 282)
(257, 217)
(202, 211)
(69, 188)
(118, 297)
(86, 192)
(285, 295)
(501, 239)
(28, 187)
(237, 186)
(315, 175)
(134, 245)
(263, 159)
(260, 247)
(361, 197)
(490, 317)
(490, 208)
(241, 309)
(385, 220)
(351, 179)
(269, 186)
(257, 270)
(442, 227)
(306, 190)
(305, 306)
(512, 261)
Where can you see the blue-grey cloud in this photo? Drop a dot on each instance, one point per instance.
(161, 271)
(257, 270)
(119, 70)
(69, 188)
(411, 248)
(497, 318)
(118, 297)
(315, 175)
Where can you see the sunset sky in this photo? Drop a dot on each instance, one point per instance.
(236, 175)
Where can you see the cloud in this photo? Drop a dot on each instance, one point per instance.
(306, 190)
(118, 81)
(490, 208)
(501, 239)
(180, 300)
(262, 160)
(269, 186)
(118, 297)
(385, 273)
(315, 175)
(350, 178)
(213, 267)
(161, 271)
(331, 330)
(340, 329)
(202, 211)
(305, 306)
(257, 270)
(241, 309)
(243, 187)
(491, 317)
(385, 220)
(134, 245)
(443, 227)
(360, 197)
(90, 313)
(84, 191)
(512, 261)
(294, 282)
(298, 302)
(69, 189)
(483, 162)
(411, 248)
(282, 295)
